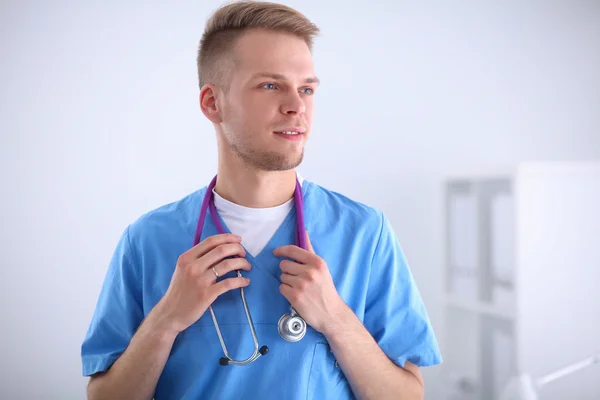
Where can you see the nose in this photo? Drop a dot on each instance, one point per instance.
(293, 105)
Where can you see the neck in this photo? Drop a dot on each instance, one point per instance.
(254, 189)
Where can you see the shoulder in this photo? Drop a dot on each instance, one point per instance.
(332, 205)
(171, 219)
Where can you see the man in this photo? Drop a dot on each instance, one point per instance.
(368, 331)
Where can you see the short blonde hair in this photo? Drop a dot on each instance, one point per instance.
(231, 21)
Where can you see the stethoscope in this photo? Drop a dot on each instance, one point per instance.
(291, 326)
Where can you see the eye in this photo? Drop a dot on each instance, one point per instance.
(308, 91)
(269, 86)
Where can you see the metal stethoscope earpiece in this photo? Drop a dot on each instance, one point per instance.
(257, 352)
(291, 326)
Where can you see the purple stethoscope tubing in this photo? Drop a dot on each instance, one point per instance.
(207, 203)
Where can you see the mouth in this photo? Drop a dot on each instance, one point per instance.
(290, 133)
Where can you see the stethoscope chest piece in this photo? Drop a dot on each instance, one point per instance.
(291, 327)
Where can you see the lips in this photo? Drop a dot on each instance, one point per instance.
(290, 133)
(291, 130)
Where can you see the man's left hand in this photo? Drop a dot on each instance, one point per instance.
(307, 284)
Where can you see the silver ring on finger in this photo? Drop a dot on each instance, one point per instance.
(215, 271)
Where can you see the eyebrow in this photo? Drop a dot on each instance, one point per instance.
(280, 77)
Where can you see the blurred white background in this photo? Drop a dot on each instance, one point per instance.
(99, 123)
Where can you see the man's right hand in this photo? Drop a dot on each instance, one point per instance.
(194, 285)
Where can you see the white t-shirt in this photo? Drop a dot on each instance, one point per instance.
(256, 226)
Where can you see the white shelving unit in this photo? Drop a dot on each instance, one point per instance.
(522, 277)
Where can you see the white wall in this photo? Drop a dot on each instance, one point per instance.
(558, 321)
(99, 123)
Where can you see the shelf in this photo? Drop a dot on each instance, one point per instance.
(480, 174)
(480, 308)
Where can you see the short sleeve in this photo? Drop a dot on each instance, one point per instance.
(394, 312)
(118, 312)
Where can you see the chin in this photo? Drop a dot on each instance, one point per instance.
(286, 163)
(271, 160)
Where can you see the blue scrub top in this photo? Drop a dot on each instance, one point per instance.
(368, 268)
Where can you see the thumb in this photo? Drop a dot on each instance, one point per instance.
(308, 243)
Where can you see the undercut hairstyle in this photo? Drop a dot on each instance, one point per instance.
(231, 21)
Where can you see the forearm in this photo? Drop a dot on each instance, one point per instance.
(135, 373)
(371, 374)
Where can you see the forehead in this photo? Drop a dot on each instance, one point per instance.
(273, 52)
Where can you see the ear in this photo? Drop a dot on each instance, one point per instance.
(208, 103)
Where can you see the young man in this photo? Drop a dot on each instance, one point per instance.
(367, 331)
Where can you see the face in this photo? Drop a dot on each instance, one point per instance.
(265, 116)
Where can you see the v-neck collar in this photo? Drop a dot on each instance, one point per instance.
(264, 261)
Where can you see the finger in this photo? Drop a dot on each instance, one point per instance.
(219, 253)
(295, 253)
(210, 243)
(231, 264)
(308, 243)
(229, 284)
(286, 291)
(291, 280)
(291, 267)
